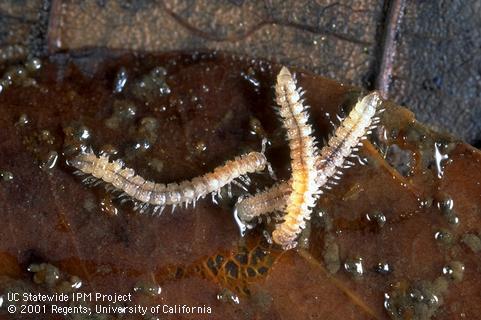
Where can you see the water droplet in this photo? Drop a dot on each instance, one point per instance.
(109, 150)
(383, 268)
(354, 267)
(240, 224)
(6, 175)
(377, 217)
(439, 157)
(107, 206)
(205, 88)
(76, 282)
(33, 65)
(125, 109)
(120, 80)
(151, 289)
(267, 236)
(446, 207)
(22, 120)
(44, 273)
(152, 85)
(250, 77)
(50, 162)
(200, 147)
(141, 146)
(3, 86)
(83, 133)
(228, 296)
(256, 127)
(454, 270)
(15, 74)
(444, 237)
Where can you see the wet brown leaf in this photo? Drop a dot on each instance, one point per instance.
(54, 224)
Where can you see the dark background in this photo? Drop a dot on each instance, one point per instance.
(422, 54)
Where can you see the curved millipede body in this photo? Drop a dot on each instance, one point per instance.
(147, 193)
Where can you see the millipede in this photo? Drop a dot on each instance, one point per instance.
(343, 144)
(273, 199)
(303, 151)
(312, 170)
(347, 139)
(148, 194)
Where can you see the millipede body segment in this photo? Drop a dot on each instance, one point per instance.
(270, 200)
(304, 182)
(148, 193)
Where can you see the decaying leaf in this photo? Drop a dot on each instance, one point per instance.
(397, 238)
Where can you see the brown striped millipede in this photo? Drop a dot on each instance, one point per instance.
(347, 137)
(158, 195)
